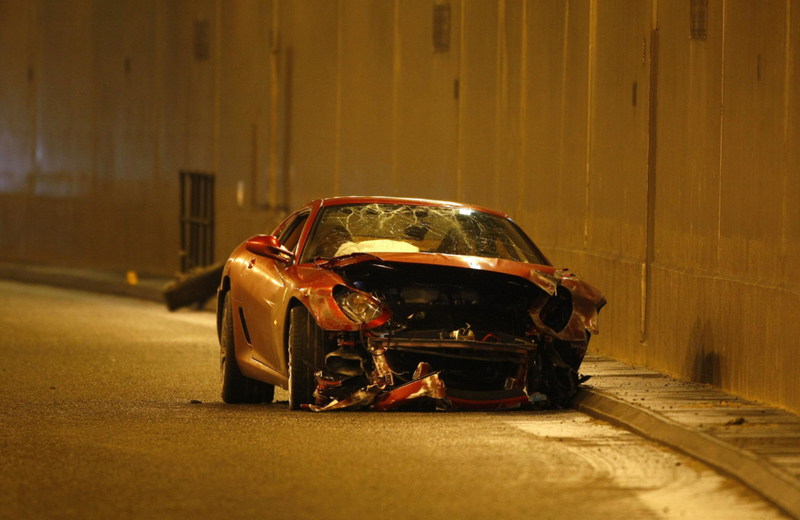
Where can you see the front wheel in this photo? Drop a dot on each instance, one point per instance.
(236, 387)
(548, 374)
(306, 356)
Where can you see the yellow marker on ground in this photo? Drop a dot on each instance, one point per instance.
(132, 278)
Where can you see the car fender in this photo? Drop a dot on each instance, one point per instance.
(316, 293)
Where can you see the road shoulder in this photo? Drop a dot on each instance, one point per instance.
(107, 282)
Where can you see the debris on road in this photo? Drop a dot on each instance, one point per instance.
(193, 287)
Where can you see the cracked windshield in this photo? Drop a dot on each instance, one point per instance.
(402, 228)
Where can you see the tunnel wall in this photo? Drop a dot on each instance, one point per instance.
(661, 167)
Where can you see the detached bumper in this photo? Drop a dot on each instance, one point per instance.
(485, 375)
(521, 349)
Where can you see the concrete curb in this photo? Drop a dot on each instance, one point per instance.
(775, 485)
(76, 279)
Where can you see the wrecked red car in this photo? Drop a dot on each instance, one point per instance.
(382, 303)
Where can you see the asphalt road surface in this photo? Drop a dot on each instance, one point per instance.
(96, 421)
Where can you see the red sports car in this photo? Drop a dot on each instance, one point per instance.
(375, 302)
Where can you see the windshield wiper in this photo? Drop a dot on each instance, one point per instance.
(344, 261)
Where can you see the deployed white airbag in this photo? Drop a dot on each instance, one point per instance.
(376, 246)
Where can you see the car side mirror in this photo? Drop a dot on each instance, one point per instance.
(269, 246)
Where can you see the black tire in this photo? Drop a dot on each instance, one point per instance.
(236, 387)
(306, 356)
(560, 385)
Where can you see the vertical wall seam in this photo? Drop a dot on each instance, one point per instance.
(189, 90)
(721, 133)
(787, 77)
(652, 158)
(396, 66)
(34, 62)
(523, 111)
(337, 152)
(787, 71)
(217, 68)
(563, 109)
(589, 109)
(462, 90)
(500, 73)
(274, 100)
(157, 93)
(95, 158)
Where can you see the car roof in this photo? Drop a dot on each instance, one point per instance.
(337, 201)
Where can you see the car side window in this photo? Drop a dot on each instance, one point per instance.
(291, 234)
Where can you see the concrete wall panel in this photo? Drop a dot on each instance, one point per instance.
(426, 110)
(478, 97)
(367, 67)
(791, 210)
(17, 111)
(686, 196)
(247, 50)
(689, 101)
(509, 138)
(616, 181)
(545, 100)
(619, 129)
(314, 42)
(64, 96)
(752, 141)
(573, 128)
(738, 332)
(244, 99)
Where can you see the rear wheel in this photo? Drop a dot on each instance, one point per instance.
(306, 356)
(236, 388)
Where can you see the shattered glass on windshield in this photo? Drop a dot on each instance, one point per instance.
(374, 228)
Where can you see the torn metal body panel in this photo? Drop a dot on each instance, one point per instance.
(410, 304)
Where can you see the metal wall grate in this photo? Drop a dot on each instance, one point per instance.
(441, 27)
(197, 219)
(201, 44)
(698, 19)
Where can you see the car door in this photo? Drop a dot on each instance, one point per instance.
(261, 304)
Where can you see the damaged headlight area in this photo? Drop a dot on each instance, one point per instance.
(358, 306)
(557, 311)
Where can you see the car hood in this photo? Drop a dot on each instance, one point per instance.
(545, 277)
(586, 300)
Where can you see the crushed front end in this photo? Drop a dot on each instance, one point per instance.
(437, 336)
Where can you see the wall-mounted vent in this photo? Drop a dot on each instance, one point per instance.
(698, 19)
(441, 27)
(197, 219)
(202, 47)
